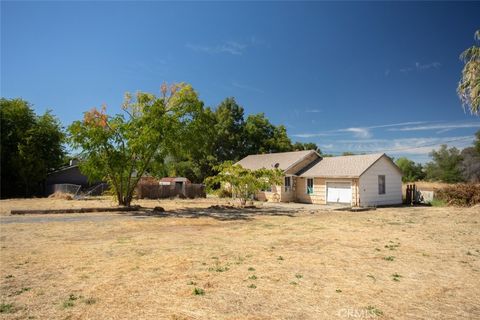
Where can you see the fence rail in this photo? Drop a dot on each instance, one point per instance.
(156, 191)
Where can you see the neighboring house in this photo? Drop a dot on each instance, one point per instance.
(358, 180)
(66, 175)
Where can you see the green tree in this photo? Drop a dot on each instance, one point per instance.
(470, 165)
(31, 146)
(299, 146)
(121, 148)
(244, 183)
(445, 165)
(469, 85)
(259, 134)
(229, 131)
(411, 171)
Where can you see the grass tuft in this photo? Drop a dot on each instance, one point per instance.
(375, 311)
(7, 308)
(198, 292)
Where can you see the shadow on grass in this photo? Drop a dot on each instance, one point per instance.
(215, 212)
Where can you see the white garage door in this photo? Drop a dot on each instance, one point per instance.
(340, 192)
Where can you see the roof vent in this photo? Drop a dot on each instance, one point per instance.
(276, 165)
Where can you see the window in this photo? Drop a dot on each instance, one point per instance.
(381, 184)
(288, 184)
(310, 186)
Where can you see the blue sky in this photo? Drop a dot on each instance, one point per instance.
(360, 77)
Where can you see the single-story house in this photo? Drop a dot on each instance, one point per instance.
(358, 180)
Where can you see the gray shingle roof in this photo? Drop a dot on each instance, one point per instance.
(268, 160)
(344, 166)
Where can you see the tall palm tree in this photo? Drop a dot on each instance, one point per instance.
(469, 86)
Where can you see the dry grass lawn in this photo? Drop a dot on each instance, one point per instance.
(392, 263)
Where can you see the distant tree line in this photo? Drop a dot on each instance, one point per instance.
(448, 165)
(230, 136)
(169, 135)
(172, 134)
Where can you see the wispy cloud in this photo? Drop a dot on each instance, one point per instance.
(402, 146)
(230, 47)
(421, 67)
(359, 132)
(443, 127)
(247, 87)
(313, 110)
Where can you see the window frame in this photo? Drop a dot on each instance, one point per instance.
(382, 184)
(289, 187)
(307, 187)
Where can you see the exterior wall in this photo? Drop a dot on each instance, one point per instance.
(319, 195)
(369, 184)
(278, 193)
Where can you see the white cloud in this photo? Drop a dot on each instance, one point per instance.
(359, 132)
(230, 47)
(313, 110)
(402, 146)
(421, 67)
(443, 127)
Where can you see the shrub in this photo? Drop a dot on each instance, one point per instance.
(224, 193)
(198, 292)
(463, 194)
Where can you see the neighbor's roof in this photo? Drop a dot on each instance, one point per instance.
(268, 161)
(174, 179)
(344, 166)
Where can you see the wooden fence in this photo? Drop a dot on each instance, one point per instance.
(156, 191)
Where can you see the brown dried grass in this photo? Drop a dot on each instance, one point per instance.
(462, 194)
(144, 268)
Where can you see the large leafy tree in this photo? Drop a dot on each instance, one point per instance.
(469, 85)
(445, 165)
(229, 131)
(411, 171)
(121, 148)
(31, 146)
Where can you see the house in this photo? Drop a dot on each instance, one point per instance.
(358, 180)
